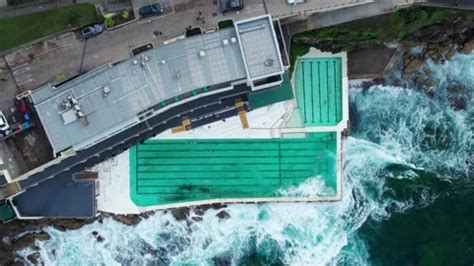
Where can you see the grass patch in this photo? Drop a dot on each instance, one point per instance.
(375, 30)
(193, 31)
(23, 29)
(296, 50)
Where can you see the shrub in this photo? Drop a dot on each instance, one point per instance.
(125, 14)
(109, 21)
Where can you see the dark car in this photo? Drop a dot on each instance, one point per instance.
(151, 10)
(92, 30)
(231, 5)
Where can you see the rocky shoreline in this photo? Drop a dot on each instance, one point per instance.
(437, 42)
(20, 234)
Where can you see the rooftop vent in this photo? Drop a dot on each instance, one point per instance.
(233, 40)
(225, 42)
(268, 62)
(105, 91)
(202, 53)
(163, 62)
(69, 116)
(71, 111)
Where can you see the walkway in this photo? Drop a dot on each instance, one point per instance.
(347, 14)
(173, 171)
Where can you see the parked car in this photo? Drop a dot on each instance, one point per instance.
(3, 122)
(92, 30)
(295, 2)
(231, 5)
(151, 10)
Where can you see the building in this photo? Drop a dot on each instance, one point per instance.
(89, 109)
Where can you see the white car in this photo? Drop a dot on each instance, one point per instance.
(294, 2)
(3, 122)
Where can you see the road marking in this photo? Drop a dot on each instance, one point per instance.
(26, 81)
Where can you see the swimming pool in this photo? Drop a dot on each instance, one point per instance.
(173, 171)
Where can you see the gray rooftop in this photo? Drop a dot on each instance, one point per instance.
(259, 47)
(102, 102)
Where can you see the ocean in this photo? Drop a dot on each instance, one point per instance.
(408, 197)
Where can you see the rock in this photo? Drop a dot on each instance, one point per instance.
(217, 206)
(223, 215)
(415, 64)
(33, 257)
(100, 238)
(456, 89)
(29, 239)
(69, 224)
(59, 227)
(7, 240)
(447, 51)
(425, 82)
(459, 103)
(199, 211)
(197, 218)
(180, 213)
(467, 47)
(437, 37)
(452, 53)
(458, 96)
(466, 25)
(95, 233)
(127, 219)
(146, 215)
(6, 255)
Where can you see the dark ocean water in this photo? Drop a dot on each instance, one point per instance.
(408, 198)
(437, 228)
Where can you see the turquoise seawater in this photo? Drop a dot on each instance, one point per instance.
(408, 198)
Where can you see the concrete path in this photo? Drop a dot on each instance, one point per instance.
(281, 9)
(348, 14)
